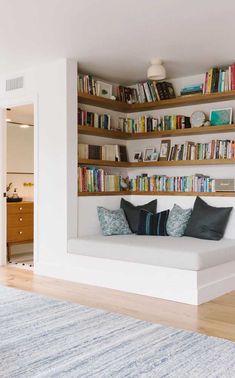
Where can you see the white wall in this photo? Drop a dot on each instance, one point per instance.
(52, 89)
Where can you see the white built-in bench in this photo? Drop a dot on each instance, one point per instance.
(183, 269)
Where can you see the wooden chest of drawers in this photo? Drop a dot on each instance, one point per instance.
(19, 223)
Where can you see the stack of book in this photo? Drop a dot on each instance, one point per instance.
(99, 121)
(92, 180)
(219, 79)
(87, 85)
(191, 89)
(110, 152)
(145, 124)
(216, 149)
(156, 183)
(146, 92)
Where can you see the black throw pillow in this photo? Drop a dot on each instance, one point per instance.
(153, 224)
(132, 212)
(207, 222)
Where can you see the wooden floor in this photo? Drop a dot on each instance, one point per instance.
(215, 318)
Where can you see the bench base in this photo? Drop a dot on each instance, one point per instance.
(191, 287)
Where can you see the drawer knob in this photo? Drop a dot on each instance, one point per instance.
(20, 232)
(20, 219)
(21, 208)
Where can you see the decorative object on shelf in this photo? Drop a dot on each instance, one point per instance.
(207, 123)
(191, 90)
(221, 116)
(225, 185)
(104, 89)
(148, 152)
(137, 156)
(124, 183)
(197, 119)
(165, 149)
(156, 70)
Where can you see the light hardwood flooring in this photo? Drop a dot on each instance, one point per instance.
(215, 318)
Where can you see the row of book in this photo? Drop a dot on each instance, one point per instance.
(111, 152)
(87, 85)
(99, 121)
(147, 124)
(216, 149)
(146, 92)
(163, 183)
(97, 180)
(219, 79)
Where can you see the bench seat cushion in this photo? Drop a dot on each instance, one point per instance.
(182, 253)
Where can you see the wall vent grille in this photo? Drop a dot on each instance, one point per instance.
(13, 84)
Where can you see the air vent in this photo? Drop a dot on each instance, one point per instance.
(16, 83)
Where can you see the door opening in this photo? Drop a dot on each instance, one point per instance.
(20, 186)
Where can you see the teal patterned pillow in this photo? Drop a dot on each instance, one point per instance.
(113, 222)
(177, 221)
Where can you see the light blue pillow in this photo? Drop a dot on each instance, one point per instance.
(113, 222)
(177, 221)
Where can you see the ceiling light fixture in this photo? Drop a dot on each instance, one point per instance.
(156, 71)
(24, 126)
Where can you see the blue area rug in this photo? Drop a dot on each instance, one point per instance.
(41, 337)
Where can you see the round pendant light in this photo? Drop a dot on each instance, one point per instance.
(156, 71)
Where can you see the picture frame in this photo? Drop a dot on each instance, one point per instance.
(220, 117)
(104, 89)
(148, 152)
(137, 156)
(165, 149)
(155, 156)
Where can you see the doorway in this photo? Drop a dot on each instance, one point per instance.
(20, 185)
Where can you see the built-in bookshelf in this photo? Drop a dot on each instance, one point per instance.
(116, 134)
(124, 164)
(187, 194)
(122, 107)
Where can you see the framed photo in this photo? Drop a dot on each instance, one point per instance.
(221, 116)
(148, 152)
(137, 156)
(165, 149)
(155, 156)
(104, 89)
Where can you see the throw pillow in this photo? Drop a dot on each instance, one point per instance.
(207, 222)
(113, 222)
(132, 212)
(177, 221)
(153, 224)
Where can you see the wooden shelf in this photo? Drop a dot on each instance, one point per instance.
(89, 130)
(163, 104)
(128, 193)
(103, 102)
(107, 163)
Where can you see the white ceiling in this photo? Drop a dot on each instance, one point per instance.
(21, 114)
(115, 39)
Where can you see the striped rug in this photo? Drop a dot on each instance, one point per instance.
(41, 337)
